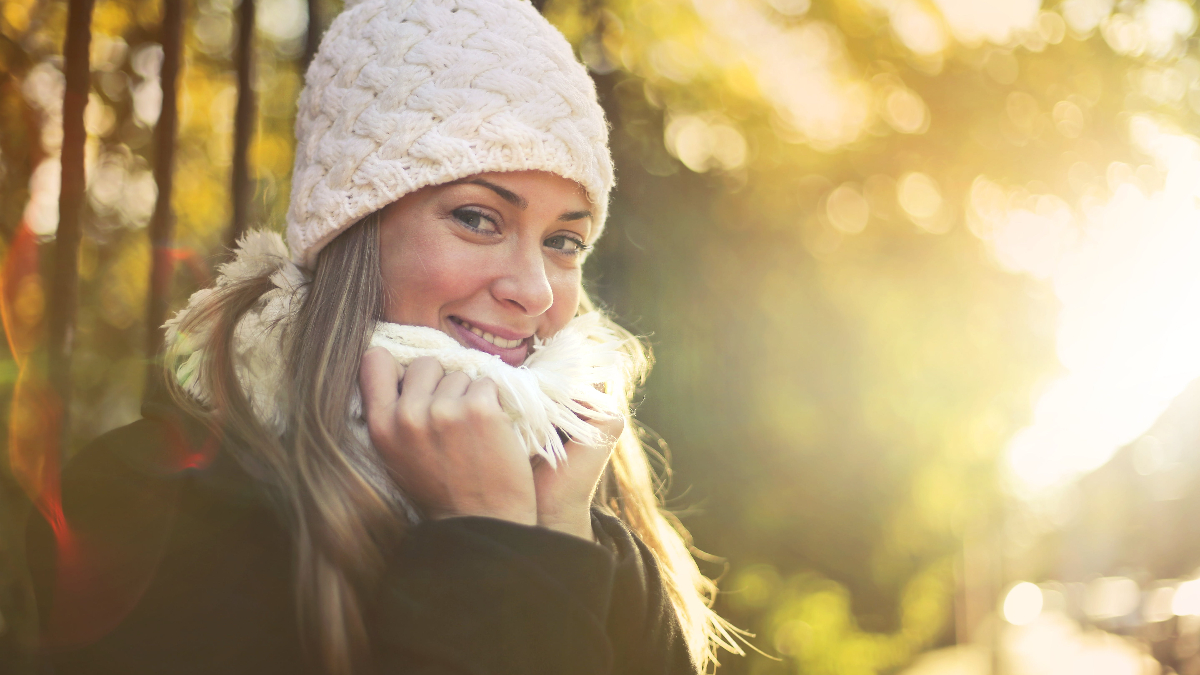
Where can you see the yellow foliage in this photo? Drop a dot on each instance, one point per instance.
(112, 17)
(16, 14)
(123, 284)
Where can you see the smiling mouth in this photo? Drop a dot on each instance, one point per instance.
(500, 342)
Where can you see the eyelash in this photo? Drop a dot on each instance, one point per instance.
(462, 215)
(580, 247)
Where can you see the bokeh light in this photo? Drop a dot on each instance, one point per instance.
(703, 144)
(1022, 604)
(1186, 599)
(996, 22)
(1111, 598)
(1159, 605)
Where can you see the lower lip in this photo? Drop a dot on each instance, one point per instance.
(513, 357)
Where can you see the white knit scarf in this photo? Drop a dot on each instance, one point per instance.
(576, 373)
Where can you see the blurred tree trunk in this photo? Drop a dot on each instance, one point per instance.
(312, 38)
(162, 222)
(65, 290)
(243, 122)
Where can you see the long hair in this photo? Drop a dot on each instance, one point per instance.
(340, 505)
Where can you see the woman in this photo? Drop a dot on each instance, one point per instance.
(452, 172)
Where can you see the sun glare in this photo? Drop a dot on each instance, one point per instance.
(1125, 272)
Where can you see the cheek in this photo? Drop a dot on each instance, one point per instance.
(422, 275)
(567, 292)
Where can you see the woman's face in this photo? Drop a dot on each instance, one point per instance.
(491, 260)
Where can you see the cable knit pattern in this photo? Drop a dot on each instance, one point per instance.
(405, 94)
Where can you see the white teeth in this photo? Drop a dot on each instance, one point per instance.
(498, 341)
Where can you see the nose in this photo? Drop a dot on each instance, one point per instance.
(523, 282)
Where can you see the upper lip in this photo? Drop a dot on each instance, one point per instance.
(498, 331)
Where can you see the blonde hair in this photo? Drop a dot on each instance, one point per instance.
(341, 518)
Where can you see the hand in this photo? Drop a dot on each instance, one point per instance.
(446, 440)
(564, 494)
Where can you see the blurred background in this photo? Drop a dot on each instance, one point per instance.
(922, 278)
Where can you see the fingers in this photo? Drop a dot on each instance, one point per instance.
(433, 400)
(612, 428)
(377, 377)
(453, 385)
(483, 394)
(451, 456)
(445, 407)
(421, 378)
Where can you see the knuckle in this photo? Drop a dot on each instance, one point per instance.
(410, 417)
(444, 410)
(374, 354)
(481, 409)
(426, 363)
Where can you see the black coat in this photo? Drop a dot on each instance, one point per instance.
(175, 562)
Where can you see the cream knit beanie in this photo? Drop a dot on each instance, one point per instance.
(403, 94)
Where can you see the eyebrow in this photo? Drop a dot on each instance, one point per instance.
(507, 195)
(517, 200)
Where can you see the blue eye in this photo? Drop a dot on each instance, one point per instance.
(566, 245)
(474, 220)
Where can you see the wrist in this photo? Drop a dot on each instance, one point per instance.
(578, 527)
(518, 516)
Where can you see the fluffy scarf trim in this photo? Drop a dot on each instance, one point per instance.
(579, 372)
